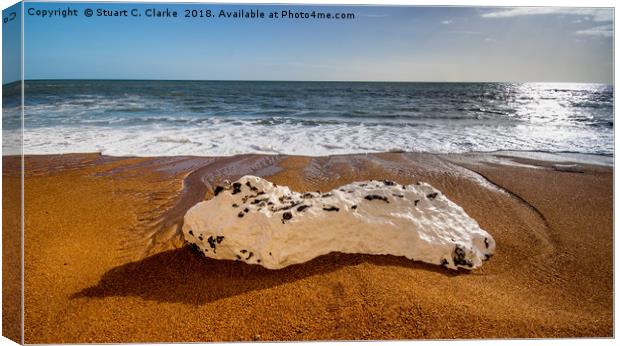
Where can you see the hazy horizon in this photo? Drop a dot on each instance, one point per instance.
(299, 81)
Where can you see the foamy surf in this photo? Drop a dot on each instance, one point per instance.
(257, 222)
(227, 118)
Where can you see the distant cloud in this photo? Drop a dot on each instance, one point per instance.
(489, 39)
(446, 22)
(372, 15)
(603, 30)
(463, 32)
(595, 14)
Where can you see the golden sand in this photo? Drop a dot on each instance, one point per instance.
(104, 261)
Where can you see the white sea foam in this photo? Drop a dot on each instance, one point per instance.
(255, 221)
(226, 138)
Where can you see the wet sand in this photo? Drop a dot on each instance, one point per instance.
(104, 261)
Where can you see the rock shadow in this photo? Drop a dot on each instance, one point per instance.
(186, 276)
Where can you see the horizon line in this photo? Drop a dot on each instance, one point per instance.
(289, 81)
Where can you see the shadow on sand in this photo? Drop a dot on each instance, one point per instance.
(183, 275)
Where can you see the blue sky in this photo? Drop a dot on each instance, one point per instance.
(381, 43)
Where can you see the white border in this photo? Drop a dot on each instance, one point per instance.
(491, 3)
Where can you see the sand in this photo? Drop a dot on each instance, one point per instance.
(105, 262)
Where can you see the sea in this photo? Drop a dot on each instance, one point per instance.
(222, 118)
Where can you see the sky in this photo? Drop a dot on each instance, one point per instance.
(395, 43)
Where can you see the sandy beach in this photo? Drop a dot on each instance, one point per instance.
(105, 262)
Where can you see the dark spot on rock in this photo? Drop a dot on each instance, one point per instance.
(302, 207)
(236, 188)
(404, 187)
(326, 195)
(212, 242)
(354, 207)
(459, 253)
(487, 257)
(260, 193)
(244, 251)
(415, 203)
(246, 210)
(289, 206)
(253, 188)
(431, 195)
(191, 232)
(459, 257)
(307, 195)
(287, 215)
(235, 205)
(389, 183)
(219, 238)
(372, 197)
(270, 254)
(217, 190)
(331, 208)
(200, 237)
(195, 248)
(257, 261)
(486, 242)
(256, 201)
(238, 257)
(341, 190)
(397, 195)
(250, 255)
(270, 203)
(240, 214)
(444, 262)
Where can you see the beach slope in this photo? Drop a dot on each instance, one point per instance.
(105, 260)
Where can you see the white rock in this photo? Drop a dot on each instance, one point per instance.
(255, 221)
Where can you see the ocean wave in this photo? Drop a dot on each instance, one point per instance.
(154, 118)
(225, 139)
